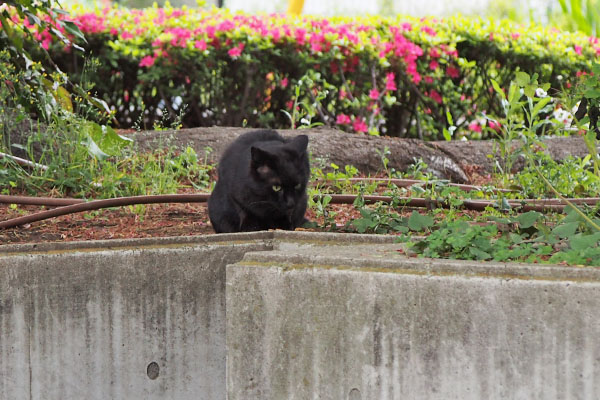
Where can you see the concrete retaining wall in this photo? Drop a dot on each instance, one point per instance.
(308, 316)
(142, 320)
(362, 322)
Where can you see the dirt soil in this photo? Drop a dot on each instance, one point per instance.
(155, 220)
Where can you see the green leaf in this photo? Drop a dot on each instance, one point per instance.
(566, 230)
(522, 78)
(95, 150)
(362, 224)
(529, 90)
(63, 97)
(15, 39)
(592, 93)
(540, 104)
(582, 242)
(60, 94)
(498, 89)
(107, 141)
(449, 118)
(479, 254)
(398, 227)
(418, 222)
(447, 135)
(73, 29)
(572, 215)
(528, 219)
(513, 94)
(504, 205)
(390, 100)
(563, 6)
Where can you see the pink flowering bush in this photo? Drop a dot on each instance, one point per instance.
(397, 76)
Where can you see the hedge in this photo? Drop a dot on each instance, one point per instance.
(399, 76)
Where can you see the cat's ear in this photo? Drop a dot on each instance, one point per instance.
(261, 160)
(260, 156)
(299, 144)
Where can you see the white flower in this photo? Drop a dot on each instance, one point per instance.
(539, 92)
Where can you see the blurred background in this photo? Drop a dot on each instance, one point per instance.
(538, 10)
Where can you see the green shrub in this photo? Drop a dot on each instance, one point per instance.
(398, 76)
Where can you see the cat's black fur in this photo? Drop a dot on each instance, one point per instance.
(262, 184)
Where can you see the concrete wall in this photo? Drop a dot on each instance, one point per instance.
(308, 316)
(364, 323)
(142, 320)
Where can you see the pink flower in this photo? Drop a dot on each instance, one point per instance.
(343, 119)
(300, 35)
(452, 72)
(433, 65)
(416, 77)
(515, 35)
(275, 34)
(435, 96)
(577, 49)
(126, 35)
(226, 26)
(428, 79)
(359, 125)
(390, 82)
(474, 126)
(434, 53)
(452, 53)
(236, 51)
(342, 94)
(210, 31)
(46, 43)
(316, 41)
(374, 94)
(284, 83)
(147, 61)
(428, 30)
(200, 45)
(494, 125)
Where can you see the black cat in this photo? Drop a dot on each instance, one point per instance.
(262, 184)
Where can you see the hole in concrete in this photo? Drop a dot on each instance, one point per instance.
(153, 370)
(354, 394)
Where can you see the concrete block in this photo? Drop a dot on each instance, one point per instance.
(142, 320)
(358, 321)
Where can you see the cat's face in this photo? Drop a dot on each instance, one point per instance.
(280, 173)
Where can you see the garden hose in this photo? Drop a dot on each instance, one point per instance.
(72, 206)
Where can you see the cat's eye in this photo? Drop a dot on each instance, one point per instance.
(276, 188)
(298, 186)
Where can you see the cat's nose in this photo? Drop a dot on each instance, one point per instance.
(290, 203)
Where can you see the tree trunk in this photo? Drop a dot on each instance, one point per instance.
(448, 160)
